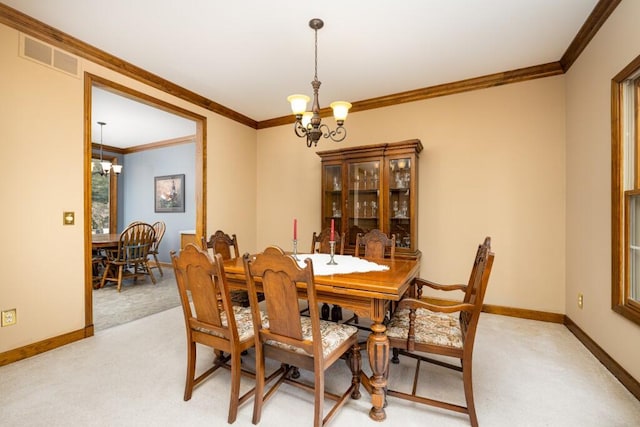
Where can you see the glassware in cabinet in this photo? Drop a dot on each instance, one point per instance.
(363, 198)
(332, 193)
(400, 200)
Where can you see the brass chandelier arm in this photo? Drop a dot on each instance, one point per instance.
(313, 134)
(336, 135)
(300, 130)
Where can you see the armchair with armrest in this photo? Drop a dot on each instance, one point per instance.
(421, 326)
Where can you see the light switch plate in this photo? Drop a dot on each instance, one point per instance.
(68, 218)
(8, 317)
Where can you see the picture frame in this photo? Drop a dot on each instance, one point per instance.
(169, 193)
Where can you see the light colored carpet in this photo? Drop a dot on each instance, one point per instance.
(526, 373)
(135, 300)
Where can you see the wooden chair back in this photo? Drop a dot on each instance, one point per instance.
(130, 259)
(201, 280)
(376, 244)
(211, 320)
(159, 227)
(320, 242)
(135, 243)
(227, 246)
(223, 244)
(279, 275)
(285, 338)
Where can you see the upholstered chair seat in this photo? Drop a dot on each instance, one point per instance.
(442, 329)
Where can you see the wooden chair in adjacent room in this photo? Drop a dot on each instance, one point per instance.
(227, 246)
(296, 341)
(131, 258)
(320, 244)
(423, 326)
(98, 258)
(212, 320)
(159, 227)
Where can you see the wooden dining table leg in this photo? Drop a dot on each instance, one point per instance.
(378, 352)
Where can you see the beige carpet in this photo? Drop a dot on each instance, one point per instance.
(526, 373)
(135, 300)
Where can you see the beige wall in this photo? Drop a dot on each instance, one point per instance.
(42, 147)
(589, 185)
(493, 164)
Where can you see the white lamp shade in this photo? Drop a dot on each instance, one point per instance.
(106, 166)
(298, 103)
(116, 169)
(340, 110)
(306, 118)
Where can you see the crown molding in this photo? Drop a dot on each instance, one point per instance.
(48, 34)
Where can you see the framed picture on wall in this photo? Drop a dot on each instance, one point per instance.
(169, 193)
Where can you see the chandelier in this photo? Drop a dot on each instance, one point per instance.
(308, 123)
(106, 165)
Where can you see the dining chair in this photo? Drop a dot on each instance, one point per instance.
(97, 264)
(212, 320)
(227, 246)
(373, 244)
(159, 227)
(420, 325)
(320, 244)
(131, 258)
(296, 341)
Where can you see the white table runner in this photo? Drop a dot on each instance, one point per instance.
(346, 264)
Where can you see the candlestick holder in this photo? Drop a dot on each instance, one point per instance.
(295, 250)
(332, 246)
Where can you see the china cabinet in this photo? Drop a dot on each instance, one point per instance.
(373, 186)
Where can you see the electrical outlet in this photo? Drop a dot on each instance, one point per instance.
(580, 300)
(9, 317)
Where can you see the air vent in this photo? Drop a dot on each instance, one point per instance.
(49, 56)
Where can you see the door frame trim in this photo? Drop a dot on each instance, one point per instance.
(200, 168)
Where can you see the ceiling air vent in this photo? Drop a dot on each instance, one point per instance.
(49, 56)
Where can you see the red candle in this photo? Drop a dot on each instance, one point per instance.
(332, 231)
(295, 229)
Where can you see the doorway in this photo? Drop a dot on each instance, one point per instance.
(91, 82)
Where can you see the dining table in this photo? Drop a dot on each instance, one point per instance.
(99, 244)
(367, 293)
(103, 241)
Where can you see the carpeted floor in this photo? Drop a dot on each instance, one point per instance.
(135, 300)
(526, 374)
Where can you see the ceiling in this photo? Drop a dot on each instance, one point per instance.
(248, 55)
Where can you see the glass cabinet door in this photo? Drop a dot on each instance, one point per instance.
(332, 203)
(401, 201)
(363, 200)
